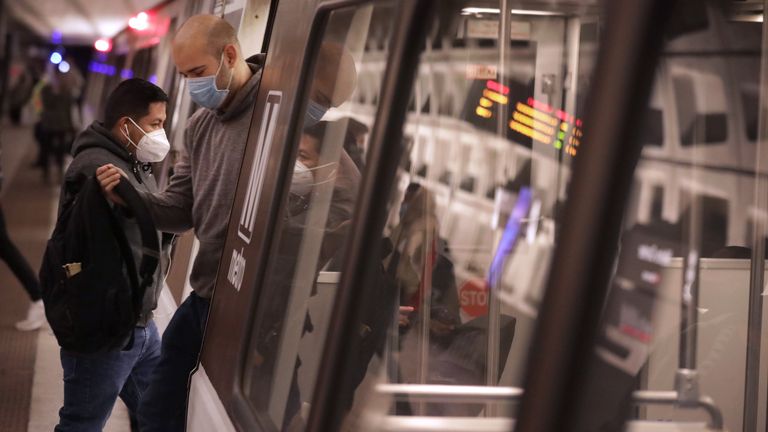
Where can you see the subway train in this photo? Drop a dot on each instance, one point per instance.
(420, 310)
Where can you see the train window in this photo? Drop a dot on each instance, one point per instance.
(680, 312)
(462, 274)
(298, 290)
(698, 115)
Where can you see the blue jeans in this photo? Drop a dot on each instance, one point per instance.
(163, 406)
(92, 382)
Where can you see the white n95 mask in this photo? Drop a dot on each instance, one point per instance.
(153, 146)
(302, 180)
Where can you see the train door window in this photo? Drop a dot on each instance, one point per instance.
(463, 273)
(679, 316)
(701, 113)
(298, 290)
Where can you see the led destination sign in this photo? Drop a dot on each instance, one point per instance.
(530, 119)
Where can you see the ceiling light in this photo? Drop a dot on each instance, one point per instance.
(55, 58)
(748, 18)
(140, 22)
(64, 67)
(103, 45)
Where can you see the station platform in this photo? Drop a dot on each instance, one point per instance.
(31, 387)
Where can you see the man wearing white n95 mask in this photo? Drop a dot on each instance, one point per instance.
(130, 137)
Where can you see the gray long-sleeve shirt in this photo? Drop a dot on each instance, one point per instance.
(201, 192)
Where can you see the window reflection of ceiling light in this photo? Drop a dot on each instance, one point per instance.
(480, 10)
(748, 18)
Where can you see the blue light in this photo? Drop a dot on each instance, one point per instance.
(63, 67)
(102, 68)
(509, 237)
(56, 37)
(126, 74)
(56, 58)
(153, 79)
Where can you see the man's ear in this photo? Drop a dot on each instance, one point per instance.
(230, 53)
(122, 125)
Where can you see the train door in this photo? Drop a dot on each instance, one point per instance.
(440, 252)
(465, 141)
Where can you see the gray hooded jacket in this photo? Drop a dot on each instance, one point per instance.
(202, 189)
(104, 149)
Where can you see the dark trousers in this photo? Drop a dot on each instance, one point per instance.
(54, 145)
(163, 406)
(17, 263)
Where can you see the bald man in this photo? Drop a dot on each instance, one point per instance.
(201, 192)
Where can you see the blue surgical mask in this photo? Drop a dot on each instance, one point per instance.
(204, 92)
(315, 113)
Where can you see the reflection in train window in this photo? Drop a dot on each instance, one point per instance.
(467, 184)
(297, 293)
(657, 202)
(750, 104)
(470, 234)
(713, 217)
(698, 118)
(653, 131)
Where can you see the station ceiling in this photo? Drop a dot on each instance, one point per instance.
(78, 21)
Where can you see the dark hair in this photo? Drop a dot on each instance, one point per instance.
(131, 98)
(317, 130)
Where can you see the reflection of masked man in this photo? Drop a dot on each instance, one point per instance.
(310, 174)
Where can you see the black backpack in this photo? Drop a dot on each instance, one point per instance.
(89, 303)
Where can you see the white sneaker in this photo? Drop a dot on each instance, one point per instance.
(35, 317)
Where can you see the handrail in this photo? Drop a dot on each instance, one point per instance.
(445, 424)
(671, 398)
(451, 393)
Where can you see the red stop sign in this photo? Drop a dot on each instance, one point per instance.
(473, 297)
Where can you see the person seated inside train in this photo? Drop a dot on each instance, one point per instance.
(130, 138)
(201, 192)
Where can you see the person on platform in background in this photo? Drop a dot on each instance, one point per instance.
(56, 128)
(21, 269)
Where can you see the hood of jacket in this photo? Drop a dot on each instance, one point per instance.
(99, 136)
(246, 95)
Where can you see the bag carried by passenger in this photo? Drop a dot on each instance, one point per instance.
(91, 290)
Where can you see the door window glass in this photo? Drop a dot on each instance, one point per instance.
(298, 291)
(489, 140)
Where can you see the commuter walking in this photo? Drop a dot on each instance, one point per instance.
(20, 267)
(56, 129)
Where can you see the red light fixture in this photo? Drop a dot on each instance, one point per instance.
(140, 22)
(103, 45)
